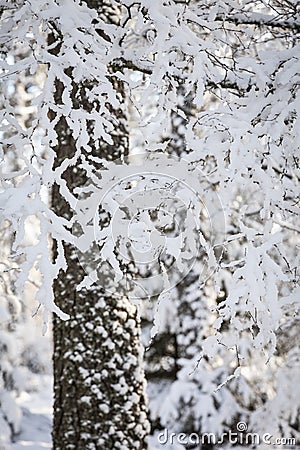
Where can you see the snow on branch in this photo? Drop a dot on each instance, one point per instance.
(245, 146)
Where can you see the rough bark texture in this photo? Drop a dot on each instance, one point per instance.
(99, 400)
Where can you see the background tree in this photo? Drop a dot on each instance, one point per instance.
(22, 362)
(10, 413)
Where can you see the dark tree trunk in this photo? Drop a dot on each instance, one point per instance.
(99, 400)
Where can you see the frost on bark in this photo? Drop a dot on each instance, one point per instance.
(98, 377)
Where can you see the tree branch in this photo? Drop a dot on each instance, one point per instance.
(260, 20)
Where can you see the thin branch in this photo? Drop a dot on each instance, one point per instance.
(122, 63)
(260, 20)
(287, 225)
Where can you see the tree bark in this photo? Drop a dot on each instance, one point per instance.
(99, 384)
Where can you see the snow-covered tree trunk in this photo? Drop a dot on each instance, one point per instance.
(98, 376)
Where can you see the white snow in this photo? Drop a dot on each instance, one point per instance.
(36, 423)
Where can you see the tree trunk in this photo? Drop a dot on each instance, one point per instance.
(99, 400)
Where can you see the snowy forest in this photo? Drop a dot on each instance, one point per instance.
(149, 223)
